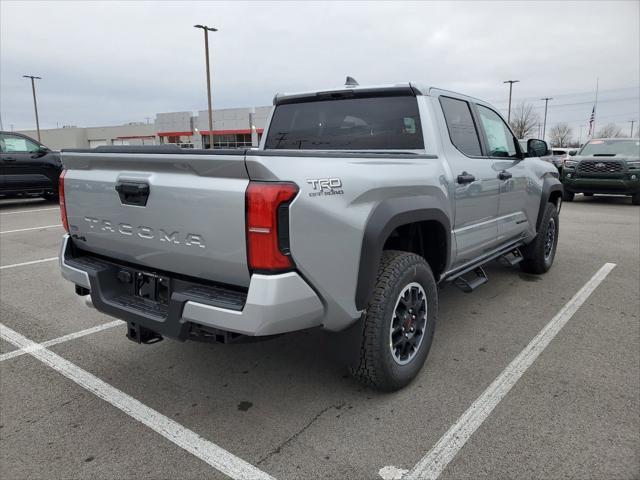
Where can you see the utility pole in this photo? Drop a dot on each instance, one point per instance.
(631, 122)
(510, 82)
(35, 104)
(544, 127)
(206, 53)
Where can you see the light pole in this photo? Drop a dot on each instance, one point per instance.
(206, 54)
(631, 122)
(510, 82)
(35, 104)
(544, 126)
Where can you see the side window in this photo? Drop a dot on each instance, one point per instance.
(13, 143)
(462, 129)
(499, 137)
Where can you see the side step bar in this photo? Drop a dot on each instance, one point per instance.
(471, 279)
(512, 258)
(468, 285)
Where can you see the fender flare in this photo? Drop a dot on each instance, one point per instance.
(387, 216)
(550, 185)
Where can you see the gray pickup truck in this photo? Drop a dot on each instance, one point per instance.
(358, 203)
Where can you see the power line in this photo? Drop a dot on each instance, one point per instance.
(577, 94)
(590, 102)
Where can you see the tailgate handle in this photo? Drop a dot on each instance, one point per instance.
(133, 193)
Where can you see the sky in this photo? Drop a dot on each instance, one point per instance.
(112, 63)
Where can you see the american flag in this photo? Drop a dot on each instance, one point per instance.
(592, 119)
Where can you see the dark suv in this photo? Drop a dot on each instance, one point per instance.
(604, 165)
(27, 167)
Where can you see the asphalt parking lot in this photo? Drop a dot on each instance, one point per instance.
(285, 407)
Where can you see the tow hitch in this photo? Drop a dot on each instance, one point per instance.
(139, 334)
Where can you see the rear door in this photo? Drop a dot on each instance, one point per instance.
(476, 185)
(510, 171)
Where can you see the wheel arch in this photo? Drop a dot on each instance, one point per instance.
(552, 190)
(402, 215)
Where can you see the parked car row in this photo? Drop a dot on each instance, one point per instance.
(27, 167)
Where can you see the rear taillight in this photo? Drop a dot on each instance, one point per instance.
(63, 204)
(268, 226)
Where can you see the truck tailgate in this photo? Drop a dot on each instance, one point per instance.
(192, 221)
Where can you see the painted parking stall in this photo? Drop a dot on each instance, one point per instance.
(281, 409)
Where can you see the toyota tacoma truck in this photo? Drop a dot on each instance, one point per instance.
(357, 205)
(604, 165)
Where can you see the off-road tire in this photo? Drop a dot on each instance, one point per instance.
(635, 199)
(535, 260)
(568, 196)
(376, 365)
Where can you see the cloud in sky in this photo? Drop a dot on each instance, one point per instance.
(111, 63)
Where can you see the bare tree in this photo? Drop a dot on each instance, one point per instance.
(524, 120)
(561, 135)
(610, 130)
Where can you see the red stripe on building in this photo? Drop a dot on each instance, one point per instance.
(175, 134)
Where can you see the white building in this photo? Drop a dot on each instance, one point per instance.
(232, 128)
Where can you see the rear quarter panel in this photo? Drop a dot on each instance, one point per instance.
(327, 230)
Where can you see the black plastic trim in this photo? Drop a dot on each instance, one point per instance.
(335, 154)
(386, 217)
(550, 184)
(396, 91)
(155, 149)
(110, 295)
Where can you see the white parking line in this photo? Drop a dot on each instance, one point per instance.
(56, 341)
(29, 263)
(32, 228)
(29, 211)
(193, 443)
(437, 459)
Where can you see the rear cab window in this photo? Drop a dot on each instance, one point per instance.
(360, 123)
(461, 127)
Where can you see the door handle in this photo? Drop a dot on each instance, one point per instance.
(465, 177)
(133, 193)
(504, 175)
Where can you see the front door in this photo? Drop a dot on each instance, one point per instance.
(22, 165)
(476, 187)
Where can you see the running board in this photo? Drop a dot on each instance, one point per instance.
(512, 258)
(467, 284)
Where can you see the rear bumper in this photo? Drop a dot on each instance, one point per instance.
(273, 304)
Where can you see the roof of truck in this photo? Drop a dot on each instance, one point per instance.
(406, 88)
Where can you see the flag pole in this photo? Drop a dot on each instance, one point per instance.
(595, 107)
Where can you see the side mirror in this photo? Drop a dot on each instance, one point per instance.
(41, 151)
(537, 148)
(573, 153)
